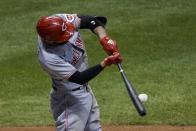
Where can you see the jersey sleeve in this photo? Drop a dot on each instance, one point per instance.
(58, 68)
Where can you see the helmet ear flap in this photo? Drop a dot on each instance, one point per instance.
(54, 29)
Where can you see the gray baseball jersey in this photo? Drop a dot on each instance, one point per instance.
(73, 110)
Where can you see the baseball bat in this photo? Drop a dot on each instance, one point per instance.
(132, 93)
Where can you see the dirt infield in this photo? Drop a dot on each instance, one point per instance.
(111, 128)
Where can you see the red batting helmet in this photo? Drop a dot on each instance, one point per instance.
(54, 29)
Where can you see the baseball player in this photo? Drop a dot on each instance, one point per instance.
(62, 55)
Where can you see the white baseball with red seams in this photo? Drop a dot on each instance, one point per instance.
(143, 97)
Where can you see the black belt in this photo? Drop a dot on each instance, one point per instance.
(79, 88)
(76, 89)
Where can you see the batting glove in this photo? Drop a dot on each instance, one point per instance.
(109, 45)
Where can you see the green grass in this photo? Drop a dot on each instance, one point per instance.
(156, 39)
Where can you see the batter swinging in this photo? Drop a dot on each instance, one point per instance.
(62, 55)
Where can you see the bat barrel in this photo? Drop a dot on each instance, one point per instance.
(132, 93)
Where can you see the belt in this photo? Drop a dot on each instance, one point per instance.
(80, 88)
(76, 89)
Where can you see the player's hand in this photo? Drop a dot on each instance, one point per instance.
(109, 45)
(112, 59)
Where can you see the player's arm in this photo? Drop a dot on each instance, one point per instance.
(90, 73)
(97, 25)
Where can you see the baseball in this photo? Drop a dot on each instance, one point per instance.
(143, 97)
